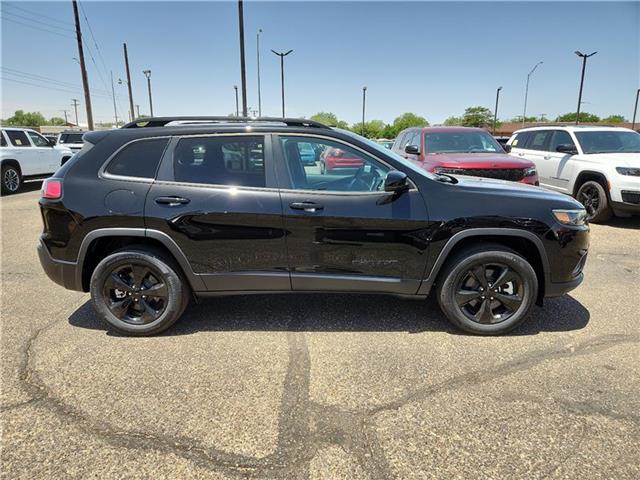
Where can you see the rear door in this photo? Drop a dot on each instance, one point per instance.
(215, 197)
(344, 233)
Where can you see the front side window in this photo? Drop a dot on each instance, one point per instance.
(461, 142)
(339, 167)
(224, 160)
(138, 159)
(609, 141)
(18, 138)
(560, 137)
(415, 139)
(39, 140)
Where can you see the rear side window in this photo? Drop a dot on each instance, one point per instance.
(538, 140)
(223, 160)
(138, 159)
(3, 141)
(18, 138)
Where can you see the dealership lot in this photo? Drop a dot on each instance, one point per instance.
(319, 386)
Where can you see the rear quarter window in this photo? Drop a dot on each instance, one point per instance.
(520, 140)
(138, 159)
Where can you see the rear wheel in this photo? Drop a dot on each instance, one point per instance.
(11, 179)
(138, 292)
(593, 196)
(488, 290)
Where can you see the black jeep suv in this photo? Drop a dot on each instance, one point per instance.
(146, 216)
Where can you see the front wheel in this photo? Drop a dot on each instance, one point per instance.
(593, 196)
(138, 292)
(11, 179)
(488, 290)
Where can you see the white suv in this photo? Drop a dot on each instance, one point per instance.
(599, 166)
(27, 155)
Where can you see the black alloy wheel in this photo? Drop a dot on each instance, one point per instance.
(593, 197)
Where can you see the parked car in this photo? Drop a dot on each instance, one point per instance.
(26, 155)
(599, 166)
(71, 139)
(148, 215)
(385, 143)
(462, 151)
(336, 159)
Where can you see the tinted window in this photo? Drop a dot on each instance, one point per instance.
(560, 137)
(18, 138)
(2, 139)
(71, 138)
(340, 168)
(224, 160)
(520, 140)
(609, 141)
(138, 159)
(538, 140)
(39, 140)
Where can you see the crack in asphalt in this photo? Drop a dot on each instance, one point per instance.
(305, 426)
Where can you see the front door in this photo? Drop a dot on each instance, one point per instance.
(344, 232)
(537, 151)
(560, 167)
(213, 198)
(49, 158)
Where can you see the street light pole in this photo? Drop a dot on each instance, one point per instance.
(113, 94)
(526, 92)
(282, 55)
(235, 87)
(364, 101)
(147, 73)
(635, 110)
(495, 112)
(584, 66)
(75, 107)
(258, 57)
(243, 73)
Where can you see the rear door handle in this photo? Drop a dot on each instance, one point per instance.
(306, 206)
(172, 201)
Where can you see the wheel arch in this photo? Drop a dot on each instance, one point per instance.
(588, 175)
(12, 161)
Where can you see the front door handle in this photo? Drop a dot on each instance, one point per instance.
(547, 157)
(306, 206)
(172, 201)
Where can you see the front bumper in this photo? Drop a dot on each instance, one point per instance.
(61, 272)
(558, 289)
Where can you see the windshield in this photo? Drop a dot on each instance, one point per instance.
(461, 142)
(71, 138)
(609, 141)
(385, 152)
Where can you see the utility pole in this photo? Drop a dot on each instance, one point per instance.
(75, 107)
(147, 73)
(235, 87)
(113, 94)
(364, 100)
(243, 73)
(495, 112)
(526, 92)
(258, 57)
(282, 55)
(126, 64)
(65, 116)
(584, 66)
(138, 110)
(83, 68)
(635, 110)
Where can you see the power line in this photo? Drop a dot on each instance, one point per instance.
(36, 28)
(50, 25)
(5, 5)
(66, 90)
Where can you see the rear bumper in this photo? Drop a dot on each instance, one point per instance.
(557, 289)
(61, 272)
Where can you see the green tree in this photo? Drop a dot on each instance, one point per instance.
(372, 129)
(528, 119)
(477, 117)
(329, 119)
(55, 121)
(584, 117)
(453, 121)
(25, 119)
(614, 119)
(405, 120)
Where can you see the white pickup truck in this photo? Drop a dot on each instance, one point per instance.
(27, 155)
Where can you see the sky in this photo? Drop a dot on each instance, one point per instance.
(431, 58)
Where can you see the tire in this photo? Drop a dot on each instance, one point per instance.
(463, 298)
(117, 278)
(11, 179)
(594, 198)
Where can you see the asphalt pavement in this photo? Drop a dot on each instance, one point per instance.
(319, 386)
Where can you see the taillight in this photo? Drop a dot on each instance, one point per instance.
(52, 188)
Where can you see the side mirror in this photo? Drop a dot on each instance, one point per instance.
(507, 148)
(412, 150)
(396, 182)
(567, 148)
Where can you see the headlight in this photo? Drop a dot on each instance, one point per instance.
(529, 172)
(571, 217)
(628, 171)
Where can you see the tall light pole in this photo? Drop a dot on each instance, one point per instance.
(138, 110)
(126, 65)
(65, 117)
(364, 102)
(526, 92)
(495, 112)
(75, 107)
(635, 110)
(147, 73)
(282, 55)
(243, 73)
(584, 66)
(258, 57)
(235, 87)
(113, 95)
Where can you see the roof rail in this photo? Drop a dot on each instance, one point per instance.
(163, 121)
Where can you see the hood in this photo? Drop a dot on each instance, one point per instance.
(479, 160)
(614, 159)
